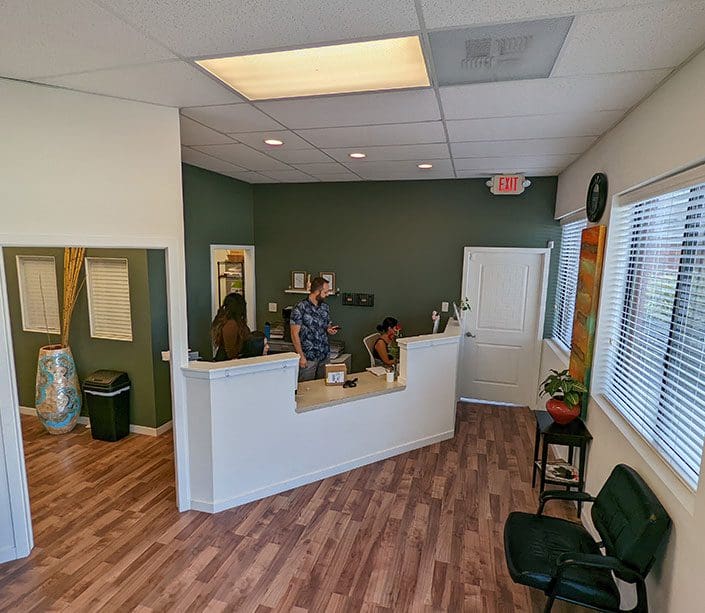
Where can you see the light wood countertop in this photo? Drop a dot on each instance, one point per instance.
(317, 395)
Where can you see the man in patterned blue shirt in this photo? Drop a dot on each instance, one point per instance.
(310, 328)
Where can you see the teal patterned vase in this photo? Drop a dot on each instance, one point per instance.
(58, 395)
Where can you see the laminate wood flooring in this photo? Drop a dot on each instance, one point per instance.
(421, 531)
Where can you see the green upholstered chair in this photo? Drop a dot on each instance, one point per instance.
(560, 557)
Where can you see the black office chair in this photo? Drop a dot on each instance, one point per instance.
(560, 557)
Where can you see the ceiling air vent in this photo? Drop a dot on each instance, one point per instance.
(506, 52)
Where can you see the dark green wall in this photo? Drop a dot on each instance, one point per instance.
(217, 210)
(402, 241)
(136, 357)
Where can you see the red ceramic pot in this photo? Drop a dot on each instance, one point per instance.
(562, 412)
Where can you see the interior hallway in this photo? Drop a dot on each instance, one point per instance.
(420, 531)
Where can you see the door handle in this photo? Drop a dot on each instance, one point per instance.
(470, 335)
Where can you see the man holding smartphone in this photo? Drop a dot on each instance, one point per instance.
(310, 328)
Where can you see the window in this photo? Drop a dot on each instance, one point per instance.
(652, 360)
(39, 300)
(564, 308)
(109, 298)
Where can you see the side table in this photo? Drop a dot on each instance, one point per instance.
(575, 434)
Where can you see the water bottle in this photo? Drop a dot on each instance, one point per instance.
(267, 330)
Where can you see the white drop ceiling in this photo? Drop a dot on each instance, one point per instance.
(615, 53)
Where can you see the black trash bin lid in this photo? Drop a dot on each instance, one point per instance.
(106, 380)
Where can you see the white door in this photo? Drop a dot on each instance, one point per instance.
(501, 346)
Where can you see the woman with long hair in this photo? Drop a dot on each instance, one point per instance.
(229, 328)
(388, 330)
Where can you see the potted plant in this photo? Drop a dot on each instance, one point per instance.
(565, 394)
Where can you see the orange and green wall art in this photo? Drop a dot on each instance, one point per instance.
(586, 302)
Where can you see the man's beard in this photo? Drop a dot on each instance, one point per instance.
(320, 300)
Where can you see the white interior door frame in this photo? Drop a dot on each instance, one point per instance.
(10, 427)
(545, 253)
(250, 288)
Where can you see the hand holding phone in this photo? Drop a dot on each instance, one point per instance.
(334, 329)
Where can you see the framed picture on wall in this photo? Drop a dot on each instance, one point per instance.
(330, 277)
(298, 279)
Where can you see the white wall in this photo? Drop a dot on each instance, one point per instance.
(664, 133)
(95, 171)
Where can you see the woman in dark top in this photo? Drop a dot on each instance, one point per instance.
(387, 332)
(255, 345)
(229, 329)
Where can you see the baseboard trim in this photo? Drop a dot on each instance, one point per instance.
(276, 488)
(7, 554)
(134, 428)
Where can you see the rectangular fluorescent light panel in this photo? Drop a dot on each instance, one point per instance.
(392, 63)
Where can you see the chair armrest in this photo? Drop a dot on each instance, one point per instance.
(544, 497)
(596, 560)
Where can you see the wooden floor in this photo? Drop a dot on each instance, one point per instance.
(419, 532)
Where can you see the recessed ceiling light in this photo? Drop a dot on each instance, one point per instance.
(358, 155)
(425, 166)
(273, 142)
(391, 63)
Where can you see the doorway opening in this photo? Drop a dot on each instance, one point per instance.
(120, 322)
(233, 270)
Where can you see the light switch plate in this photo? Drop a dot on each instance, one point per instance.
(272, 307)
(444, 307)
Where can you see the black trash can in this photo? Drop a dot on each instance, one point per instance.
(108, 399)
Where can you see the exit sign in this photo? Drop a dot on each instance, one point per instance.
(507, 185)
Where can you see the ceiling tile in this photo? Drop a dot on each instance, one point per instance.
(406, 170)
(391, 134)
(451, 13)
(290, 176)
(171, 83)
(355, 109)
(300, 156)
(232, 118)
(396, 152)
(500, 163)
(575, 144)
(535, 126)
(641, 38)
(193, 133)
(244, 156)
(41, 39)
(339, 178)
(197, 158)
(256, 140)
(543, 96)
(529, 172)
(222, 26)
(322, 168)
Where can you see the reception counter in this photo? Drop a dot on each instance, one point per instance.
(251, 435)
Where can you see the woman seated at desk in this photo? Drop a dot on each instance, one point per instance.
(229, 329)
(388, 331)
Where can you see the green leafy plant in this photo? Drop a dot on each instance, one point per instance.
(562, 386)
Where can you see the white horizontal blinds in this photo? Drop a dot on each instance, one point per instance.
(566, 285)
(109, 298)
(39, 298)
(653, 369)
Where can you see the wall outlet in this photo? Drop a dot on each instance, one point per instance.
(272, 307)
(444, 307)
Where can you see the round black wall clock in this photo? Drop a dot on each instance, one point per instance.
(596, 196)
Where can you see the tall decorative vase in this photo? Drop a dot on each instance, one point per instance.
(58, 395)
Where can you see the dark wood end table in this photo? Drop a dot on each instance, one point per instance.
(573, 435)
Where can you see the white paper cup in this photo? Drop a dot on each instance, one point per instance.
(390, 376)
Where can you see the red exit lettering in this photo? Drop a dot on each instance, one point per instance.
(508, 184)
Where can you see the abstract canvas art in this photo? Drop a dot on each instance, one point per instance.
(592, 247)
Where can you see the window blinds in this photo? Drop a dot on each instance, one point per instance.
(567, 282)
(109, 298)
(39, 300)
(652, 364)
